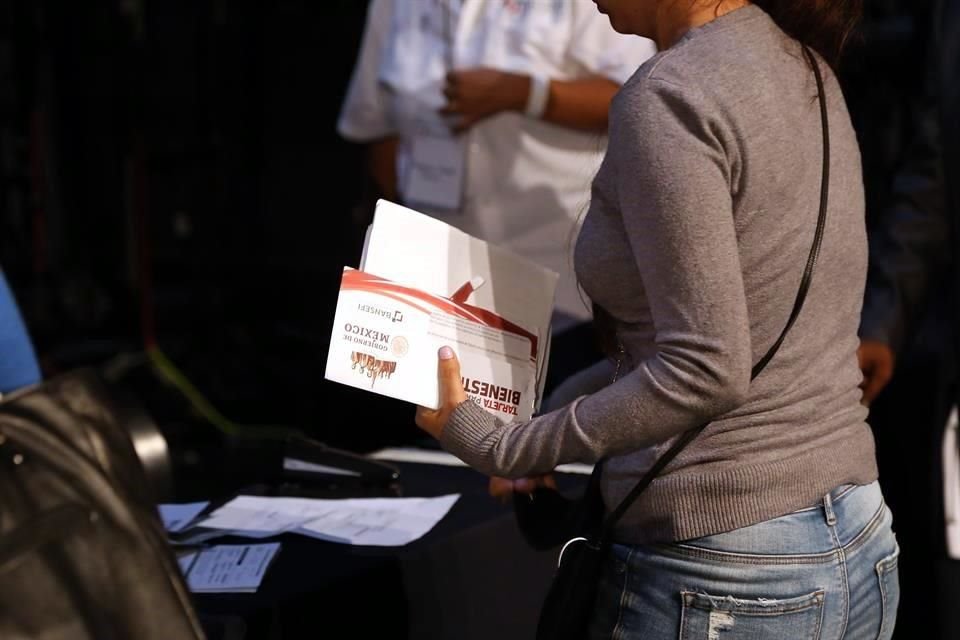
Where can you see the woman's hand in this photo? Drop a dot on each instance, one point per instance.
(451, 394)
(503, 488)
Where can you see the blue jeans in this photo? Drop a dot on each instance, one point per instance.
(828, 572)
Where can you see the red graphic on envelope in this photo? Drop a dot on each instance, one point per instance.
(429, 303)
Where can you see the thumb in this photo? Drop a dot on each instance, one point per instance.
(448, 371)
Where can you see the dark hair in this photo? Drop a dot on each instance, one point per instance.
(823, 25)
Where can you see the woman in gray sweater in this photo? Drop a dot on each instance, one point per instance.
(771, 524)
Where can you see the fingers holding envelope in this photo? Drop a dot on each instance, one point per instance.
(451, 394)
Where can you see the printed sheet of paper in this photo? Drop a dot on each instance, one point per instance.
(261, 517)
(229, 568)
(176, 517)
(357, 521)
(380, 524)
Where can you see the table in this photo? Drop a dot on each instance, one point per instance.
(472, 576)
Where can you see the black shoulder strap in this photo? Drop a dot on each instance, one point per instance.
(611, 520)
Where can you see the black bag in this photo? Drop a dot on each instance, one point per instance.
(83, 554)
(547, 515)
(548, 518)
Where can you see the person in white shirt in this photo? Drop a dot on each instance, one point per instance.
(491, 115)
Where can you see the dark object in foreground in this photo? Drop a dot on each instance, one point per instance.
(83, 553)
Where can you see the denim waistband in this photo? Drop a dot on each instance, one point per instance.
(843, 515)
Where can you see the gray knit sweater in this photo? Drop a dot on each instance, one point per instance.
(700, 222)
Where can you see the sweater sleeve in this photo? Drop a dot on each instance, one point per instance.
(673, 187)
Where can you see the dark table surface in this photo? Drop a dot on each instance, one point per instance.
(470, 576)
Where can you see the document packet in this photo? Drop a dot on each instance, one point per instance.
(386, 337)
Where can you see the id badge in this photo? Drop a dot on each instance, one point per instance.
(434, 176)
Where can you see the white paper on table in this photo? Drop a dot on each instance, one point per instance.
(380, 525)
(231, 568)
(357, 521)
(260, 516)
(176, 517)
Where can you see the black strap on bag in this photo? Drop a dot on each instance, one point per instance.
(568, 606)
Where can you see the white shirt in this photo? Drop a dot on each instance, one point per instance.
(526, 181)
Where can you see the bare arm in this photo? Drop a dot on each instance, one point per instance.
(580, 104)
(475, 94)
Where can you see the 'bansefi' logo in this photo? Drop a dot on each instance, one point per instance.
(393, 315)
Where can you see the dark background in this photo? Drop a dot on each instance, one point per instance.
(170, 174)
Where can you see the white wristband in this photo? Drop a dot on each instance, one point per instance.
(538, 96)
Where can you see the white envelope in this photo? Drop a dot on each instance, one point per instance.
(419, 251)
(386, 337)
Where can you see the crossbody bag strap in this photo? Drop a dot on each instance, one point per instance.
(687, 437)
